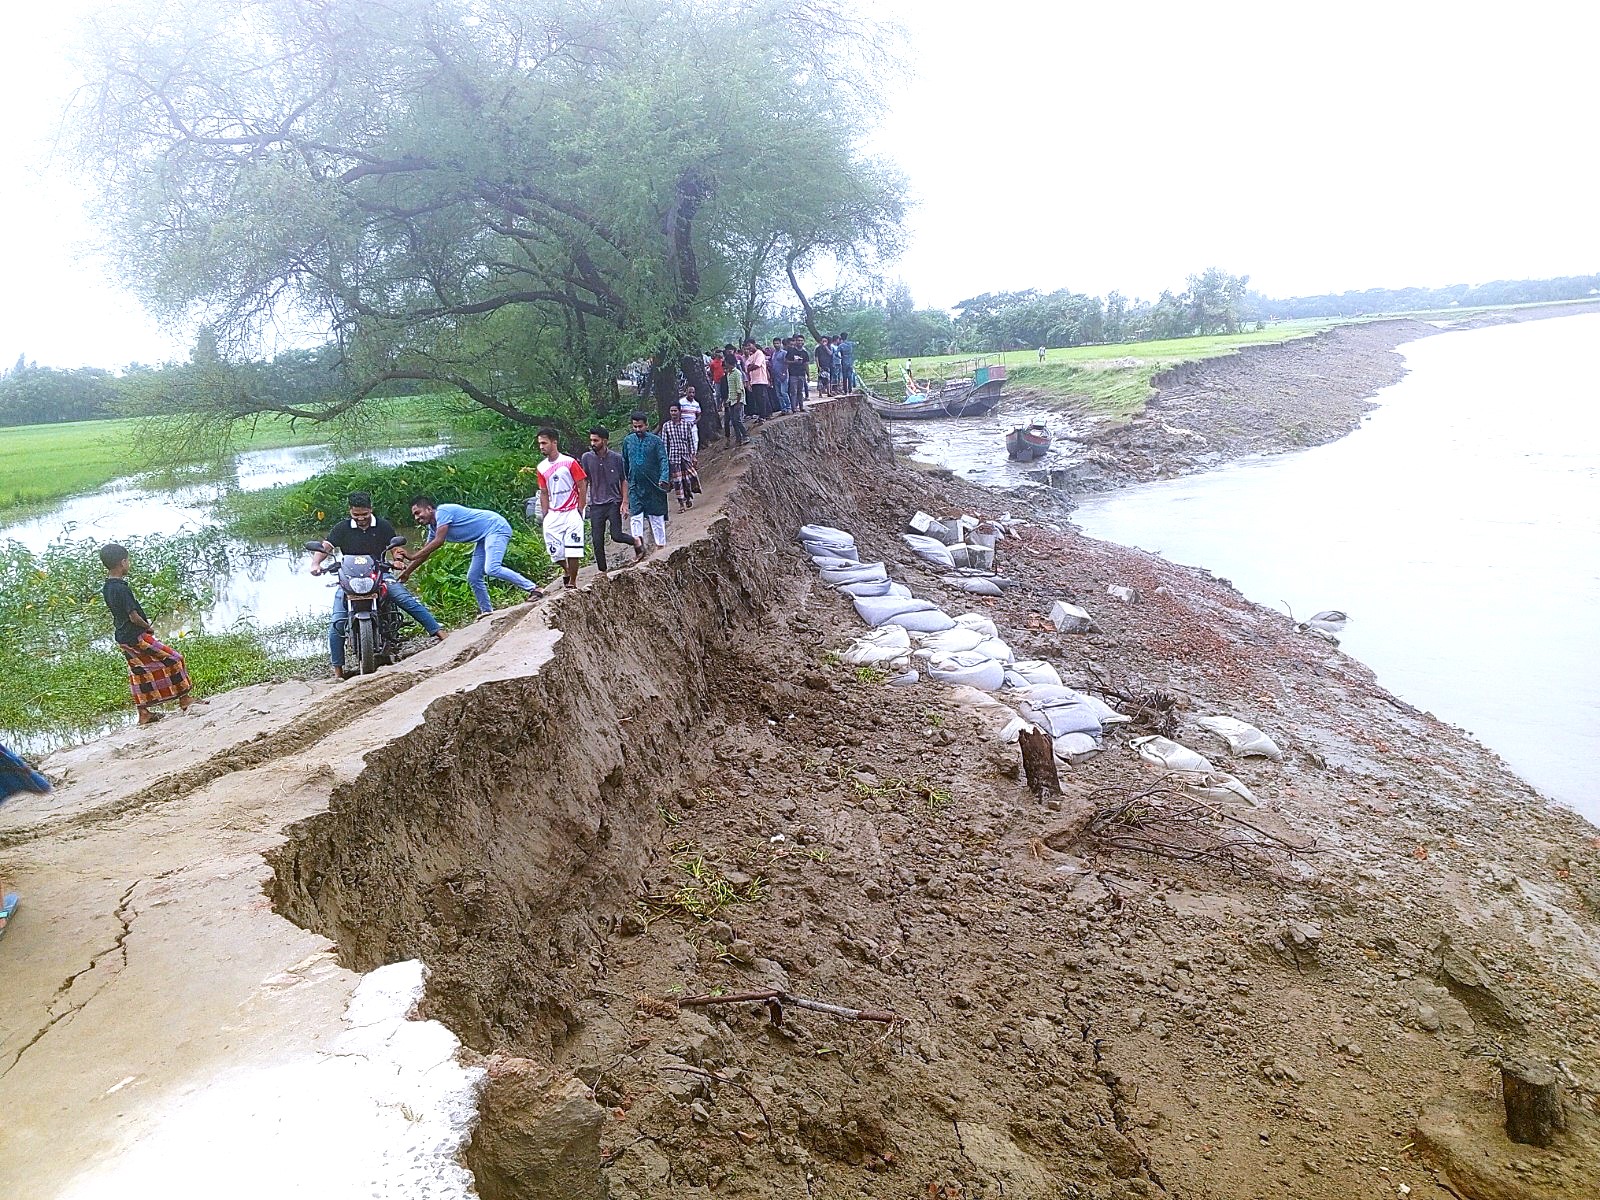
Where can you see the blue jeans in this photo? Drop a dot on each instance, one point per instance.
(782, 389)
(488, 560)
(399, 593)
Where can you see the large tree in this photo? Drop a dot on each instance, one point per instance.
(509, 197)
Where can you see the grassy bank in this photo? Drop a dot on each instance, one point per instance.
(41, 463)
(1109, 383)
(65, 677)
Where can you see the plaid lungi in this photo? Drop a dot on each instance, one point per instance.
(18, 776)
(155, 671)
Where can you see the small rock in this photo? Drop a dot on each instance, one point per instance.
(698, 1113)
(742, 951)
(816, 683)
(1125, 594)
(960, 1000)
(1428, 1017)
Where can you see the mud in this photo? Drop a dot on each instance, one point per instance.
(678, 791)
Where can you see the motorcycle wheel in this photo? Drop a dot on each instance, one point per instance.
(366, 647)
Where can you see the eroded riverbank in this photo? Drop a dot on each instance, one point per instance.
(521, 809)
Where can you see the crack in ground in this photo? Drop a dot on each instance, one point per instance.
(119, 945)
(1115, 1097)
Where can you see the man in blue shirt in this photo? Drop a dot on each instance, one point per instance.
(490, 534)
(846, 358)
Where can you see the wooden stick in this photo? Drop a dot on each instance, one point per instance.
(775, 1000)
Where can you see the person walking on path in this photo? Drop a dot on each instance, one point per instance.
(1041, 356)
(682, 440)
(758, 374)
(733, 406)
(607, 473)
(489, 533)
(156, 672)
(16, 776)
(364, 532)
(563, 496)
(645, 457)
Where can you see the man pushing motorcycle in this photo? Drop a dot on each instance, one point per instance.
(364, 532)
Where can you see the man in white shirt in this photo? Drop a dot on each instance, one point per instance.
(563, 496)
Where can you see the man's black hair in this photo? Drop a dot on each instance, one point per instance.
(111, 554)
(551, 434)
(424, 501)
(360, 499)
(599, 431)
(640, 415)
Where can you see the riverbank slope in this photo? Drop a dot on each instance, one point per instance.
(667, 785)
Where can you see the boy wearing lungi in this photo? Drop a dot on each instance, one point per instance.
(156, 673)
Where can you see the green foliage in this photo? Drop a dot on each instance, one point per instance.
(65, 677)
(34, 395)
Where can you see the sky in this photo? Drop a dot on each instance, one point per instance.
(1314, 147)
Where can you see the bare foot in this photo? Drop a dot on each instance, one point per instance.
(440, 634)
(146, 717)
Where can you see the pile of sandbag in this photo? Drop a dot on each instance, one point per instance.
(962, 544)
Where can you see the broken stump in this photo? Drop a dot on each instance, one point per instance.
(1039, 762)
(1534, 1114)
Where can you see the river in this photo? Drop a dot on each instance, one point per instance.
(1459, 527)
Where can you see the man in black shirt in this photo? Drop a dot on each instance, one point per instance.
(364, 532)
(798, 364)
(824, 355)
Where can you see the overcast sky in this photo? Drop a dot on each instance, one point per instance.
(1314, 147)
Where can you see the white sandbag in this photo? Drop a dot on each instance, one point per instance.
(966, 667)
(854, 573)
(949, 641)
(826, 533)
(1069, 618)
(882, 645)
(828, 562)
(880, 610)
(930, 550)
(978, 585)
(1070, 747)
(1011, 732)
(1061, 718)
(1218, 787)
(1034, 671)
(982, 703)
(867, 587)
(906, 679)
(926, 620)
(899, 589)
(1045, 695)
(829, 550)
(978, 623)
(1170, 756)
(1243, 738)
(996, 649)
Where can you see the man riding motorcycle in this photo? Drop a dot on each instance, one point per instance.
(364, 532)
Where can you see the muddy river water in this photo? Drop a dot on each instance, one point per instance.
(1459, 528)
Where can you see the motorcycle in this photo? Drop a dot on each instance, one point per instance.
(372, 625)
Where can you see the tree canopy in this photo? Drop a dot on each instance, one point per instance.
(509, 197)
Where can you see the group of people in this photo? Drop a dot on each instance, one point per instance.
(763, 382)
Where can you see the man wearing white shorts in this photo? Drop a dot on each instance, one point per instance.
(563, 495)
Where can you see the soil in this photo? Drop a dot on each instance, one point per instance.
(666, 786)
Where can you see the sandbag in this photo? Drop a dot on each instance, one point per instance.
(826, 533)
(867, 587)
(966, 667)
(899, 589)
(927, 620)
(827, 562)
(1070, 747)
(828, 550)
(996, 649)
(978, 585)
(1034, 671)
(1170, 756)
(979, 623)
(1243, 738)
(882, 645)
(880, 610)
(1045, 695)
(930, 550)
(1218, 787)
(854, 573)
(1062, 718)
(906, 679)
(949, 641)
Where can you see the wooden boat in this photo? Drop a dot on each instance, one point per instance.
(1027, 442)
(969, 397)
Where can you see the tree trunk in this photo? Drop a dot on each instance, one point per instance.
(805, 304)
(1039, 762)
(1534, 1114)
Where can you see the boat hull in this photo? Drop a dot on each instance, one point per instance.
(953, 401)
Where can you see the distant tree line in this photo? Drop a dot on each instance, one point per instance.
(1399, 300)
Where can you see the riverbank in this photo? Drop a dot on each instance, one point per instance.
(629, 802)
(1266, 399)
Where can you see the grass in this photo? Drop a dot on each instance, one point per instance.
(702, 892)
(41, 463)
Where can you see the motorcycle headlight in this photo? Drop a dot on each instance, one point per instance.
(362, 585)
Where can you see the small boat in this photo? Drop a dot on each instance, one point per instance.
(970, 397)
(1027, 442)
